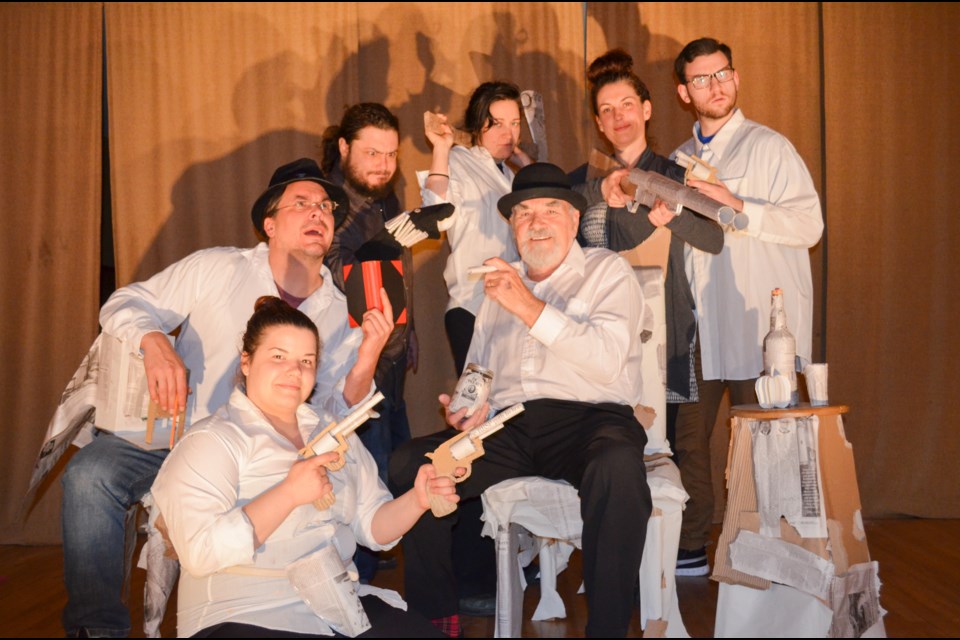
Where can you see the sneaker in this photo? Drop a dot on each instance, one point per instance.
(481, 606)
(692, 563)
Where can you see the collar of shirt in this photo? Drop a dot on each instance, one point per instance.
(319, 299)
(483, 155)
(721, 139)
(242, 411)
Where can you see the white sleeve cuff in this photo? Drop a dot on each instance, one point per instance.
(549, 325)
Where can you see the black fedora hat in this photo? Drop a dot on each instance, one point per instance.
(540, 180)
(302, 170)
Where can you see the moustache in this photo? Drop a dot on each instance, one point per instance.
(538, 235)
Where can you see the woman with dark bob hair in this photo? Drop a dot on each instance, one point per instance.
(473, 179)
(238, 504)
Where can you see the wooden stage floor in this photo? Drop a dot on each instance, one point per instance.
(919, 568)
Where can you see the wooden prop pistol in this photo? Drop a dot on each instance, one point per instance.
(460, 451)
(334, 438)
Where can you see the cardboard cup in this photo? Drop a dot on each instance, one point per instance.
(816, 377)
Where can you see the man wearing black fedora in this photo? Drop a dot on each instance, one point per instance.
(559, 332)
(210, 295)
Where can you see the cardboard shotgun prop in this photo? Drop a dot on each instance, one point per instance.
(460, 451)
(644, 187)
(334, 438)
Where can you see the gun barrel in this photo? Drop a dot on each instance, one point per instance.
(674, 192)
(496, 422)
(358, 416)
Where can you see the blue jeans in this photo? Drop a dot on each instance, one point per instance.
(101, 482)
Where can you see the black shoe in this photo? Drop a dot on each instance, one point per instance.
(481, 606)
(692, 562)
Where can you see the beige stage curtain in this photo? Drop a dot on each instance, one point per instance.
(50, 121)
(891, 83)
(205, 101)
(784, 95)
(416, 57)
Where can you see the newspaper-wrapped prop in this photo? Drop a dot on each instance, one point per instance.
(460, 451)
(323, 582)
(533, 114)
(411, 227)
(108, 391)
(644, 187)
(333, 438)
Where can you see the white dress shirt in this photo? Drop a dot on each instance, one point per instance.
(732, 289)
(211, 293)
(223, 463)
(585, 345)
(477, 230)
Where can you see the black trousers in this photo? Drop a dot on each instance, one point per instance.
(385, 621)
(598, 448)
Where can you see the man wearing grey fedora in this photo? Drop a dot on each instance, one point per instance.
(210, 295)
(559, 332)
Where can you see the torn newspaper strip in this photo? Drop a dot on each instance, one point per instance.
(787, 475)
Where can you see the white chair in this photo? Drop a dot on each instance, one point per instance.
(533, 515)
(529, 516)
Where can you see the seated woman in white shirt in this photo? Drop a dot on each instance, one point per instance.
(474, 180)
(237, 499)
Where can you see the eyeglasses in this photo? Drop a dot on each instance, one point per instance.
(702, 82)
(302, 206)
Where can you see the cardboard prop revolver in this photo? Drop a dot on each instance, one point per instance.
(460, 451)
(644, 187)
(334, 438)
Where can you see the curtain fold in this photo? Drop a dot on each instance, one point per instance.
(206, 100)
(891, 78)
(50, 137)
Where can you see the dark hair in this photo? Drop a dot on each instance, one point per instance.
(695, 49)
(615, 65)
(270, 311)
(355, 119)
(477, 117)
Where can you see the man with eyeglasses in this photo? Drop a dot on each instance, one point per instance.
(360, 155)
(762, 175)
(209, 295)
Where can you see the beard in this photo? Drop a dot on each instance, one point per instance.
(363, 186)
(719, 111)
(540, 256)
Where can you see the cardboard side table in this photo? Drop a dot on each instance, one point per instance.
(844, 546)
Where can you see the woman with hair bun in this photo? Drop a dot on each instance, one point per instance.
(622, 108)
(237, 500)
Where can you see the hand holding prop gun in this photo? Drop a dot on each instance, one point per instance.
(435, 122)
(460, 451)
(334, 438)
(651, 186)
(645, 187)
(696, 168)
